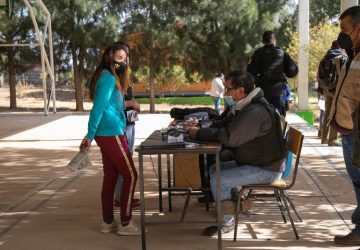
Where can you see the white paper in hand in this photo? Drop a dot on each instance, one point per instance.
(132, 116)
(79, 161)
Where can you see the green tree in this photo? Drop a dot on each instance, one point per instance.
(154, 42)
(321, 37)
(323, 10)
(201, 36)
(15, 27)
(83, 27)
(223, 34)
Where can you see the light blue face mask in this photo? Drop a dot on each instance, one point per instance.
(229, 100)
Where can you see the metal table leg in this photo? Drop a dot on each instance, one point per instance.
(142, 201)
(169, 181)
(160, 183)
(218, 207)
(207, 184)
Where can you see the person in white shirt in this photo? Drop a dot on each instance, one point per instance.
(217, 90)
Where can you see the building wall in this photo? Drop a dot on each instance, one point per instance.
(201, 87)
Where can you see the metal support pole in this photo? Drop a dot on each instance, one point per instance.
(42, 52)
(47, 68)
(51, 54)
(303, 81)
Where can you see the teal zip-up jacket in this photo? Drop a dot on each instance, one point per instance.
(107, 117)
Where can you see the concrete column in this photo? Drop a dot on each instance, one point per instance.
(303, 84)
(345, 4)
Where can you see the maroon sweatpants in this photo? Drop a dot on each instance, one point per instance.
(117, 160)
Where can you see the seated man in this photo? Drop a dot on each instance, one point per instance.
(252, 132)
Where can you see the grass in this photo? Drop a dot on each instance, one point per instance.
(193, 100)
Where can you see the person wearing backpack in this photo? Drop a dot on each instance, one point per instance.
(328, 75)
(270, 65)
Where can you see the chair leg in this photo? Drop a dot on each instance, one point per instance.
(292, 205)
(237, 211)
(280, 205)
(282, 196)
(207, 199)
(186, 205)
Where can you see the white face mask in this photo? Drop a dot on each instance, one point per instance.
(229, 100)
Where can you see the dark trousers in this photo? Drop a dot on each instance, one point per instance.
(278, 102)
(328, 134)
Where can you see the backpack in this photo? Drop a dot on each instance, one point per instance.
(179, 114)
(329, 70)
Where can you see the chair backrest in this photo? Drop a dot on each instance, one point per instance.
(294, 143)
(288, 165)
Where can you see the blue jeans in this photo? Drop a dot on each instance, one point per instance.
(354, 174)
(217, 103)
(129, 132)
(232, 175)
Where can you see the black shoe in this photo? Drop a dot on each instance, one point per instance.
(234, 194)
(349, 239)
(213, 230)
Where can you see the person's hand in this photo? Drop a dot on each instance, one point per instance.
(192, 123)
(134, 105)
(192, 131)
(85, 144)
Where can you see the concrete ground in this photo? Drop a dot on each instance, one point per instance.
(44, 207)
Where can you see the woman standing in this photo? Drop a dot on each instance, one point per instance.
(106, 125)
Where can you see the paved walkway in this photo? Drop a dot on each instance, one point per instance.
(44, 207)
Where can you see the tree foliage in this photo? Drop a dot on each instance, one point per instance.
(220, 34)
(15, 28)
(82, 27)
(172, 42)
(321, 37)
(322, 10)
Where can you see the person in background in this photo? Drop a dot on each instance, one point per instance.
(217, 90)
(327, 76)
(344, 109)
(129, 132)
(321, 105)
(106, 125)
(287, 96)
(269, 65)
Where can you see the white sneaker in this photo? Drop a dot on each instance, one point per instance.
(130, 229)
(108, 228)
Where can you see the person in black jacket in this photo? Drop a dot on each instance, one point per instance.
(251, 131)
(269, 65)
